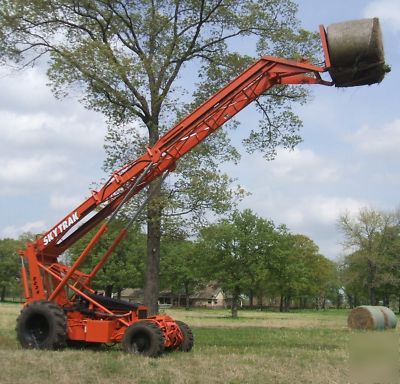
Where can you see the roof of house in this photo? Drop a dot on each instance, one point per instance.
(210, 291)
(133, 293)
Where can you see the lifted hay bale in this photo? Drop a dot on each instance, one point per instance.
(356, 52)
(366, 317)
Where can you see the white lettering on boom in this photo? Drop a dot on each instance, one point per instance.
(60, 228)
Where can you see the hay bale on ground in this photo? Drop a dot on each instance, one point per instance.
(366, 317)
(389, 316)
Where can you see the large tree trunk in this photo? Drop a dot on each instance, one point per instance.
(108, 290)
(235, 302)
(350, 299)
(3, 293)
(372, 296)
(187, 303)
(287, 303)
(260, 302)
(179, 300)
(151, 288)
(251, 299)
(371, 281)
(154, 211)
(339, 299)
(281, 304)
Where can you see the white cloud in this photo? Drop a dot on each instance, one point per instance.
(387, 10)
(64, 202)
(27, 92)
(25, 173)
(326, 210)
(378, 140)
(310, 210)
(302, 166)
(13, 231)
(314, 215)
(40, 130)
(44, 141)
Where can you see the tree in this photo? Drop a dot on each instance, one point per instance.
(179, 267)
(234, 252)
(298, 270)
(125, 58)
(323, 281)
(287, 271)
(389, 276)
(9, 266)
(371, 267)
(124, 268)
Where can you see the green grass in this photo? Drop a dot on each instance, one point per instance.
(259, 347)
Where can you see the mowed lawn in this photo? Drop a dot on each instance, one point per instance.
(258, 347)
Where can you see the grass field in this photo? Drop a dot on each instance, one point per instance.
(258, 347)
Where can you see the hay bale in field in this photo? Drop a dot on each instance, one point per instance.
(356, 52)
(366, 317)
(389, 316)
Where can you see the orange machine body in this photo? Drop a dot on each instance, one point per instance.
(95, 319)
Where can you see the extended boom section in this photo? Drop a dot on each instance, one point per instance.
(189, 132)
(61, 307)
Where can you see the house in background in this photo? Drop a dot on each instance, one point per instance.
(211, 296)
(169, 298)
(133, 295)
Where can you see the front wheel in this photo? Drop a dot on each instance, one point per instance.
(188, 339)
(42, 325)
(143, 338)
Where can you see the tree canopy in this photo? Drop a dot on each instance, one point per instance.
(370, 270)
(247, 254)
(124, 268)
(10, 281)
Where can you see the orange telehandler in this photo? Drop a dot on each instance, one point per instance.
(61, 308)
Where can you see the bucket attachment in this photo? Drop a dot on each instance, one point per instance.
(355, 50)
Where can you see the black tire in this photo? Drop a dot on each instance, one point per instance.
(144, 338)
(188, 338)
(42, 325)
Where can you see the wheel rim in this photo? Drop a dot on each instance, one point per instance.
(37, 329)
(140, 342)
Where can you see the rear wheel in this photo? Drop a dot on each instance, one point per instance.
(42, 325)
(144, 338)
(188, 339)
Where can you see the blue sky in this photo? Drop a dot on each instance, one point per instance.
(51, 151)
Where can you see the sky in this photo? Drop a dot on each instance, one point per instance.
(51, 151)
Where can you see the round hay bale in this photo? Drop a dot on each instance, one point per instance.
(356, 52)
(389, 316)
(366, 317)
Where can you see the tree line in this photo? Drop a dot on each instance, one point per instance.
(248, 256)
